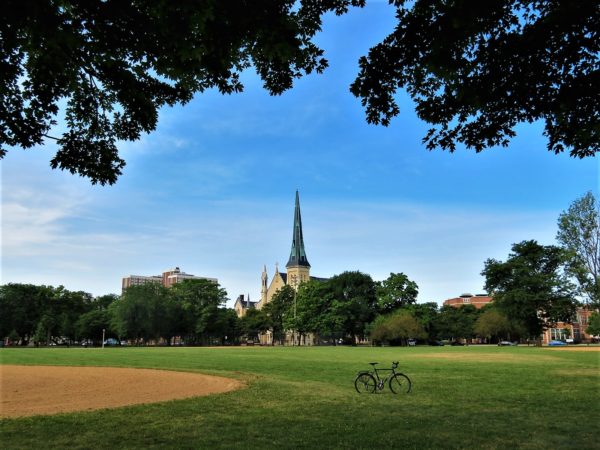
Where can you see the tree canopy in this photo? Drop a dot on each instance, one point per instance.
(475, 69)
(531, 287)
(579, 234)
(396, 292)
(397, 327)
(594, 324)
(115, 63)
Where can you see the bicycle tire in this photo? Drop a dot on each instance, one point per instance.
(400, 384)
(365, 383)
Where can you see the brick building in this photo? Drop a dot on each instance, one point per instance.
(167, 279)
(478, 301)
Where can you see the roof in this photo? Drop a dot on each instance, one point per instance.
(245, 303)
(322, 280)
(298, 253)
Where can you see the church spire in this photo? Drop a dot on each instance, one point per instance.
(298, 254)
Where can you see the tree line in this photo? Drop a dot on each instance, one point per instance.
(534, 288)
(192, 310)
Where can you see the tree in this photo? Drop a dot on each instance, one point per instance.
(475, 69)
(93, 325)
(313, 310)
(396, 292)
(103, 302)
(64, 310)
(254, 322)
(579, 234)
(397, 327)
(224, 329)
(199, 301)
(21, 307)
(43, 313)
(143, 313)
(353, 303)
(594, 324)
(492, 324)
(456, 323)
(280, 310)
(531, 287)
(116, 63)
(426, 314)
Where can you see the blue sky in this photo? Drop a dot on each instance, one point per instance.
(212, 191)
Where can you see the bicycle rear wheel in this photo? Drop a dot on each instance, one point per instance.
(365, 383)
(400, 384)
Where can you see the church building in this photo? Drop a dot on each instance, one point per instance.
(297, 267)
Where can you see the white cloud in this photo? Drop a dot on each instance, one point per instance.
(32, 217)
(443, 249)
(88, 238)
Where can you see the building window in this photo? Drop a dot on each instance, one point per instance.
(558, 334)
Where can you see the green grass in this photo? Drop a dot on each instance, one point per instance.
(467, 397)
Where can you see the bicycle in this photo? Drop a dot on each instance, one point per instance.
(370, 381)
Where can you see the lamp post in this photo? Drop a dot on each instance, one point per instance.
(103, 331)
(295, 285)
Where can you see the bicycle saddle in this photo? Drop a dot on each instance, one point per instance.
(373, 363)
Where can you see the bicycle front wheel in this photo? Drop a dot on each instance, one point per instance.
(400, 384)
(365, 383)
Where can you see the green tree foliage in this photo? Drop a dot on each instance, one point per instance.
(192, 309)
(103, 302)
(143, 313)
(579, 234)
(116, 63)
(493, 325)
(225, 328)
(456, 323)
(594, 324)
(90, 325)
(21, 307)
(397, 328)
(530, 286)
(353, 303)
(475, 69)
(254, 322)
(396, 292)
(64, 310)
(199, 302)
(313, 303)
(280, 312)
(42, 313)
(426, 314)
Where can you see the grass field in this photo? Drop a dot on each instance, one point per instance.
(462, 397)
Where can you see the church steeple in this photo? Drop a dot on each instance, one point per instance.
(298, 254)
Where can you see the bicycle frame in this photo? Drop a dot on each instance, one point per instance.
(371, 381)
(381, 381)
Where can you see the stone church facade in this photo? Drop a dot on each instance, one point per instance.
(297, 272)
(298, 267)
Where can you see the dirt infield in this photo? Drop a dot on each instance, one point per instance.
(34, 390)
